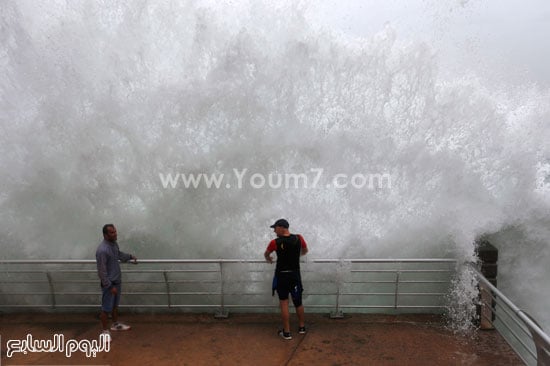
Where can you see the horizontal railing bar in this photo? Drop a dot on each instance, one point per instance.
(125, 282)
(236, 305)
(20, 282)
(393, 293)
(49, 270)
(174, 281)
(128, 293)
(63, 293)
(174, 293)
(385, 260)
(422, 281)
(26, 293)
(518, 339)
(173, 271)
(506, 310)
(367, 293)
(227, 306)
(401, 270)
(393, 282)
(422, 294)
(28, 306)
(525, 346)
(393, 306)
(510, 330)
(250, 306)
(93, 271)
(202, 261)
(389, 281)
(192, 281)
(530, 324)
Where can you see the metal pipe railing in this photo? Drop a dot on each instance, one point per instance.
(223, 293)
(411, 280)
(524, 322)
(339, 292)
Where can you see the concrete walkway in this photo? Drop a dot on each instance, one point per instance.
(251, 339)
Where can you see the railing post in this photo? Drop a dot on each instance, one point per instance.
(337, 313)
(52, 291)
(396, 298)
(168, 296)
(221, 313)
(488, 255)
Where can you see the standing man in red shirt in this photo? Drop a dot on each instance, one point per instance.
(289, 248)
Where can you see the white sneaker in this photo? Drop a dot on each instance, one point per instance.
(120, 326)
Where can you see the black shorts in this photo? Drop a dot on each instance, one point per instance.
(290, 283)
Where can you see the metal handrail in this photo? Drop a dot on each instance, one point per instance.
(225, 260)
(218, 274)
(339, 293)
(535, 333)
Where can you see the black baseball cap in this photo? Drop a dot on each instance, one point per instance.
(280, 222)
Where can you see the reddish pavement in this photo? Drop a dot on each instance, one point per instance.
(251, 339)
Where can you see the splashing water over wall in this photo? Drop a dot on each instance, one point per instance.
(100, 101)
(461, 301)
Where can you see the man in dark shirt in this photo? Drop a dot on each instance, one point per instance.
(287, 280)
(107, 257)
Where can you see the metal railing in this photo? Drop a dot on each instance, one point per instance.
(523, 334)
(335, 285)
(388, 285)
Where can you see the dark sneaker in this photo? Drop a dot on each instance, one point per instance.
(302, 330)
(285, 335)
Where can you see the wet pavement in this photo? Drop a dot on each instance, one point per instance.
(251, 339)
